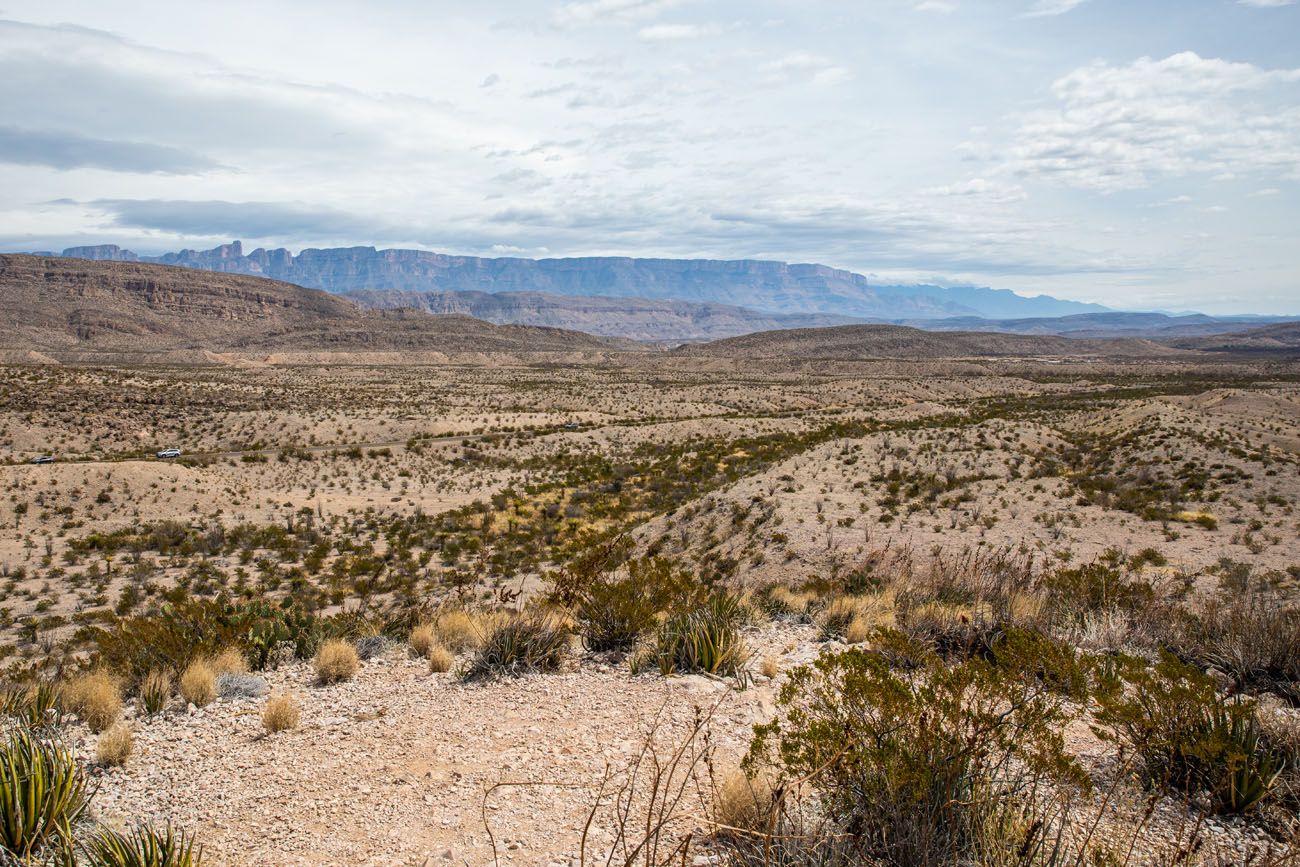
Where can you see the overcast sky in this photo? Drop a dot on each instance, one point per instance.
(1139, 154)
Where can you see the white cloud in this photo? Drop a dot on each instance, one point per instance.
(804, 66)
(1266, 4)
(589, 11)
(943, 7)
(1121, 127)
(1052, 7)
(672, 32)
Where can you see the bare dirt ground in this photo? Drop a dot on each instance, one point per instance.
(455, 482)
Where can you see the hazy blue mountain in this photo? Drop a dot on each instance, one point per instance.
(775, 287)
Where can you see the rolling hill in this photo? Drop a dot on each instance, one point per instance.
(49, 304)
(866, 342)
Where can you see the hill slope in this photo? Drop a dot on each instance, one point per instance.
(864, 342)
(765, 285)
(55, 303)
(637, 318)
(1284, 337)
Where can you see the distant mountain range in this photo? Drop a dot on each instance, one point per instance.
(766, 286)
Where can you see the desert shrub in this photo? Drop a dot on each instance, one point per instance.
(267, 628)
(781, 601)
(199, 683)
(156, 692)
(1188, 738)
(705, 639)
(524, 643)
(1102, 585)
(115, 746)
(44, 793)
(336, 661)
(35, 705)
(422, 639)
(615, 609)
(233, 685)
(142, 846)
(281, 713)
(95, 697)
(1255, 639)
(170, 640)
(889, 753)
(440, 659)
(370, 646)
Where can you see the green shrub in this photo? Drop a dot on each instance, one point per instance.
(914, 768)
(143, 846)
(43, 792)
(705, 639)
(524, 643)
(1188, 738)
(614, 610)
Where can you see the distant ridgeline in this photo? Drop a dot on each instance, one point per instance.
(762, 285)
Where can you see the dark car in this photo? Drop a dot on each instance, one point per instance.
(43, 459)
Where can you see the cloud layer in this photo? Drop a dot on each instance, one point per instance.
(1096, 151)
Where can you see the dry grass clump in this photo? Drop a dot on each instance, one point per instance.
(787, 602)
(115, 746)
(770, 667)
(743, 804)
(156, 692)
(281, 713)
(336, 661)
(199, 683)
(458, 630)
(440, 659)
(229, 661)
(853, 618)
(96, 697)
(422, 639)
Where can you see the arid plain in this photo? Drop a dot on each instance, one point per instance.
(827, 499)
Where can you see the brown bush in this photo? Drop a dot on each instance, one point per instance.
(440, 659)
(96, 698)
(281, 713)
(115, 746)
(199, 683)
(422, 639)
(336, 661)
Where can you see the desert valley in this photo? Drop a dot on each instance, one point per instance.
(422, 589)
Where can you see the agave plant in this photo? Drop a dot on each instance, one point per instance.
(1250, 768)
(143, 846)
(43, 791)
(704, 639)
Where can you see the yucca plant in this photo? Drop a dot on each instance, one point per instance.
(35, 705)
(705, 639)
(143, 846)
(43, 791)
(523, 644)
(1250, 769)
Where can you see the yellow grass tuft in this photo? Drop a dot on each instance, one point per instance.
(156, 692)
(96, 697)
(458, 631)
(230, 661)
(115, 746)
(422, 639)
(199, 683)
(440, 659)
(743, 803)
(770, 667)
(336, 661)
(281, 713)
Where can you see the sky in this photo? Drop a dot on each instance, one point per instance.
(1143, 154)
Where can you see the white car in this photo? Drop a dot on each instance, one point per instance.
(170, 453)
(43, 459)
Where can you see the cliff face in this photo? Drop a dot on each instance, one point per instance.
(776, 287)
(637, 318)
